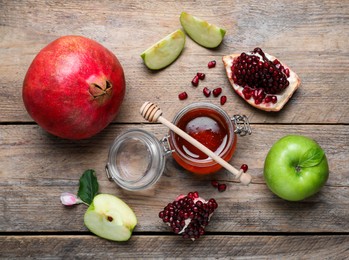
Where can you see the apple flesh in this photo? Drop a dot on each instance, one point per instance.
(295, 168)
(206, 34)
(111, 218)
(164, 52)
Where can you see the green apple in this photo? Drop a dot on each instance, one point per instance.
(295, 168)
(202, 32)
(111, 218)
(165, 51)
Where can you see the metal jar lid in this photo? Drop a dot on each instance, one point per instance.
(136, 160)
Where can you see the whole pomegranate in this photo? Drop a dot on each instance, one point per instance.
(74, 87)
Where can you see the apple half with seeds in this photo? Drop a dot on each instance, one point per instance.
(165, 51)
(206, 34)
(260, 79)
(111, 218)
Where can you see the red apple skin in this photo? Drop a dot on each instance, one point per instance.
(74, 87)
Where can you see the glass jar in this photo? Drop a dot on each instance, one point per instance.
(136, 158)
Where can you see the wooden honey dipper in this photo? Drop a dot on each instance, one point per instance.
(153, 113)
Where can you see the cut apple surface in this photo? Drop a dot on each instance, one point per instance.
(202, 32)
(111, 218)
(271, 89)
(165, 51)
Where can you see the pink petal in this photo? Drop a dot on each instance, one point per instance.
(69, 199)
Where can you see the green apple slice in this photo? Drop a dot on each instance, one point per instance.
(110, 218)
(165, 51)
(202, 32)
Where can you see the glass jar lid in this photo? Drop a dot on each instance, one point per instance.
(136, 160)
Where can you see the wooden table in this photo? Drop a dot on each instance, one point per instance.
(251, 222)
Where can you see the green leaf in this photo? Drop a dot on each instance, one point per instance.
(88, 186)
(312, 157)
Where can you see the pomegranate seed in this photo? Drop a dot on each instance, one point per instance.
(211, 64)
(212, 203)
(267, 99)
(199, 203)
(206, 92)
(287, 72)
(216, 92)
(259, 51)
(183, 95)
(195, 81)
(215, 184)
(274, 99)
(258, 93)
(223, 100)
(201, 231)
(244, 167)
(276, 62)
(190, 195)
(222, 187)
(249, 69)
(201, 75)
(260, 65)
(247, 92)
(161, 214)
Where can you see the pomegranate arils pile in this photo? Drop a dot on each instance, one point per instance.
(260, 77)
(189, 215)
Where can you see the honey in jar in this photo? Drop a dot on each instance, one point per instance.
(211, 126)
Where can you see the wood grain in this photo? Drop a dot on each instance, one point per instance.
(35, 168)
(308, 36)
(224, 246)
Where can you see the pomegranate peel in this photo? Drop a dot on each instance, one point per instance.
(267, 101)
(74, 87)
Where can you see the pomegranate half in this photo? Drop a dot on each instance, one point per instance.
(74, 87)
(261, 79)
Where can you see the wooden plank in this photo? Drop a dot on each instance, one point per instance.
(139, 246)
(250, 222)
(37, 167)
(312, 43)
